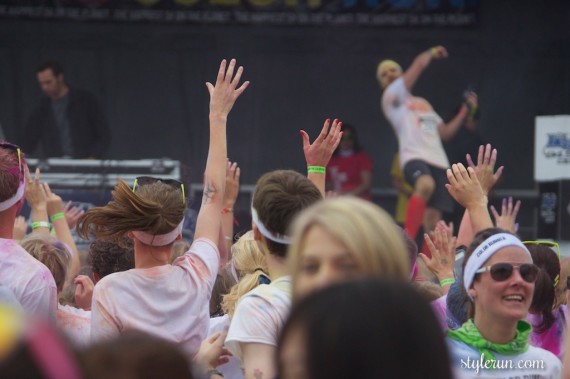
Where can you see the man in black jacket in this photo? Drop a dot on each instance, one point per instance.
(69, 122)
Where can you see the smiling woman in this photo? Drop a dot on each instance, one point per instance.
(499, 277)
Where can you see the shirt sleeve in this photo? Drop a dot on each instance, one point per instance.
(41, 303)
(201, 261)
(394, 100)
(103, 325)
(253, 322)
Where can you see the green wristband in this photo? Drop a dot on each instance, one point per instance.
(40, 224)
(317, 169)
(57, 216)
(446, 282)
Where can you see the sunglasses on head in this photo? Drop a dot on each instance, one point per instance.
(15, 148)
(503, 271)
(144, 180)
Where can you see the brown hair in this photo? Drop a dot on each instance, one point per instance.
(279, 196)
(10, 175)
(155, 208)
(544, 291)
(106, 257)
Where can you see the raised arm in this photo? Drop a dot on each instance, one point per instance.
(222, 98)
(318, 154)
(420, 63)
(448, 130)
(488, 177)
(36, 197)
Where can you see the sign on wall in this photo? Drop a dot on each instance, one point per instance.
(552, 148)
(278, 12)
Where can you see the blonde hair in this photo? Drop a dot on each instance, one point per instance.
(384, 65)
(368, 232)
(52, 253)
(179, 248)
(249, 263)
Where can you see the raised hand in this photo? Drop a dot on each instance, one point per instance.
(438, 52)
(225, 92)
(232, 184)
(72, 214)
(486, 160)
(53, 201)
(20, 228)
(464, 186)
(442, 248)
(35, 193)
(508, 217)
(320, 151)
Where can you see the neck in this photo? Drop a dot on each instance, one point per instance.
(64, 91)
(277, 267)
(7, 219)
(494, 329)
(151, 256)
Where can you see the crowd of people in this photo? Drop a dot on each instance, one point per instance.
(322, 286)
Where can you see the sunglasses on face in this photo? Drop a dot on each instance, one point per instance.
(144, 180)
(17, 150)
(503, 271)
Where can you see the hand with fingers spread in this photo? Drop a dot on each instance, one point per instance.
(442, 248)
(464, 186)
(486, 160)
(35, 192)
(226, 91)
(72, 214)
(212, 352)
(508, 217)
(232, 185)
(53, 201)
(83, 291)
(320, 151)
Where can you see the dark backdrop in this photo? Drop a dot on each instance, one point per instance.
(150, 80)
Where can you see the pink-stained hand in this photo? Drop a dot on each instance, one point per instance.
(320, 151)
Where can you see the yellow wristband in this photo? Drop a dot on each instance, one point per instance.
(40, 224)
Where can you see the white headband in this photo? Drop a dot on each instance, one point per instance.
(484, 251)
(279, 238)
(159, 239)
(14, 199)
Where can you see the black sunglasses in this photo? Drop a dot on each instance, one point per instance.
(144, 180)
(503, 271)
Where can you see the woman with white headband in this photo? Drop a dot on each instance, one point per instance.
(169, 301)
(498, 277)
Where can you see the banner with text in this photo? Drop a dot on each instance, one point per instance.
(552, 148)
(277, 12)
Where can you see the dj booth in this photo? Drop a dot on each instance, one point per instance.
(88, 182)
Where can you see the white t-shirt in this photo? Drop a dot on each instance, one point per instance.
(169, 301)
(535, 363)
(29, 280)
(260, 315)
(416, 125)
(75, 323)
(232, 369)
